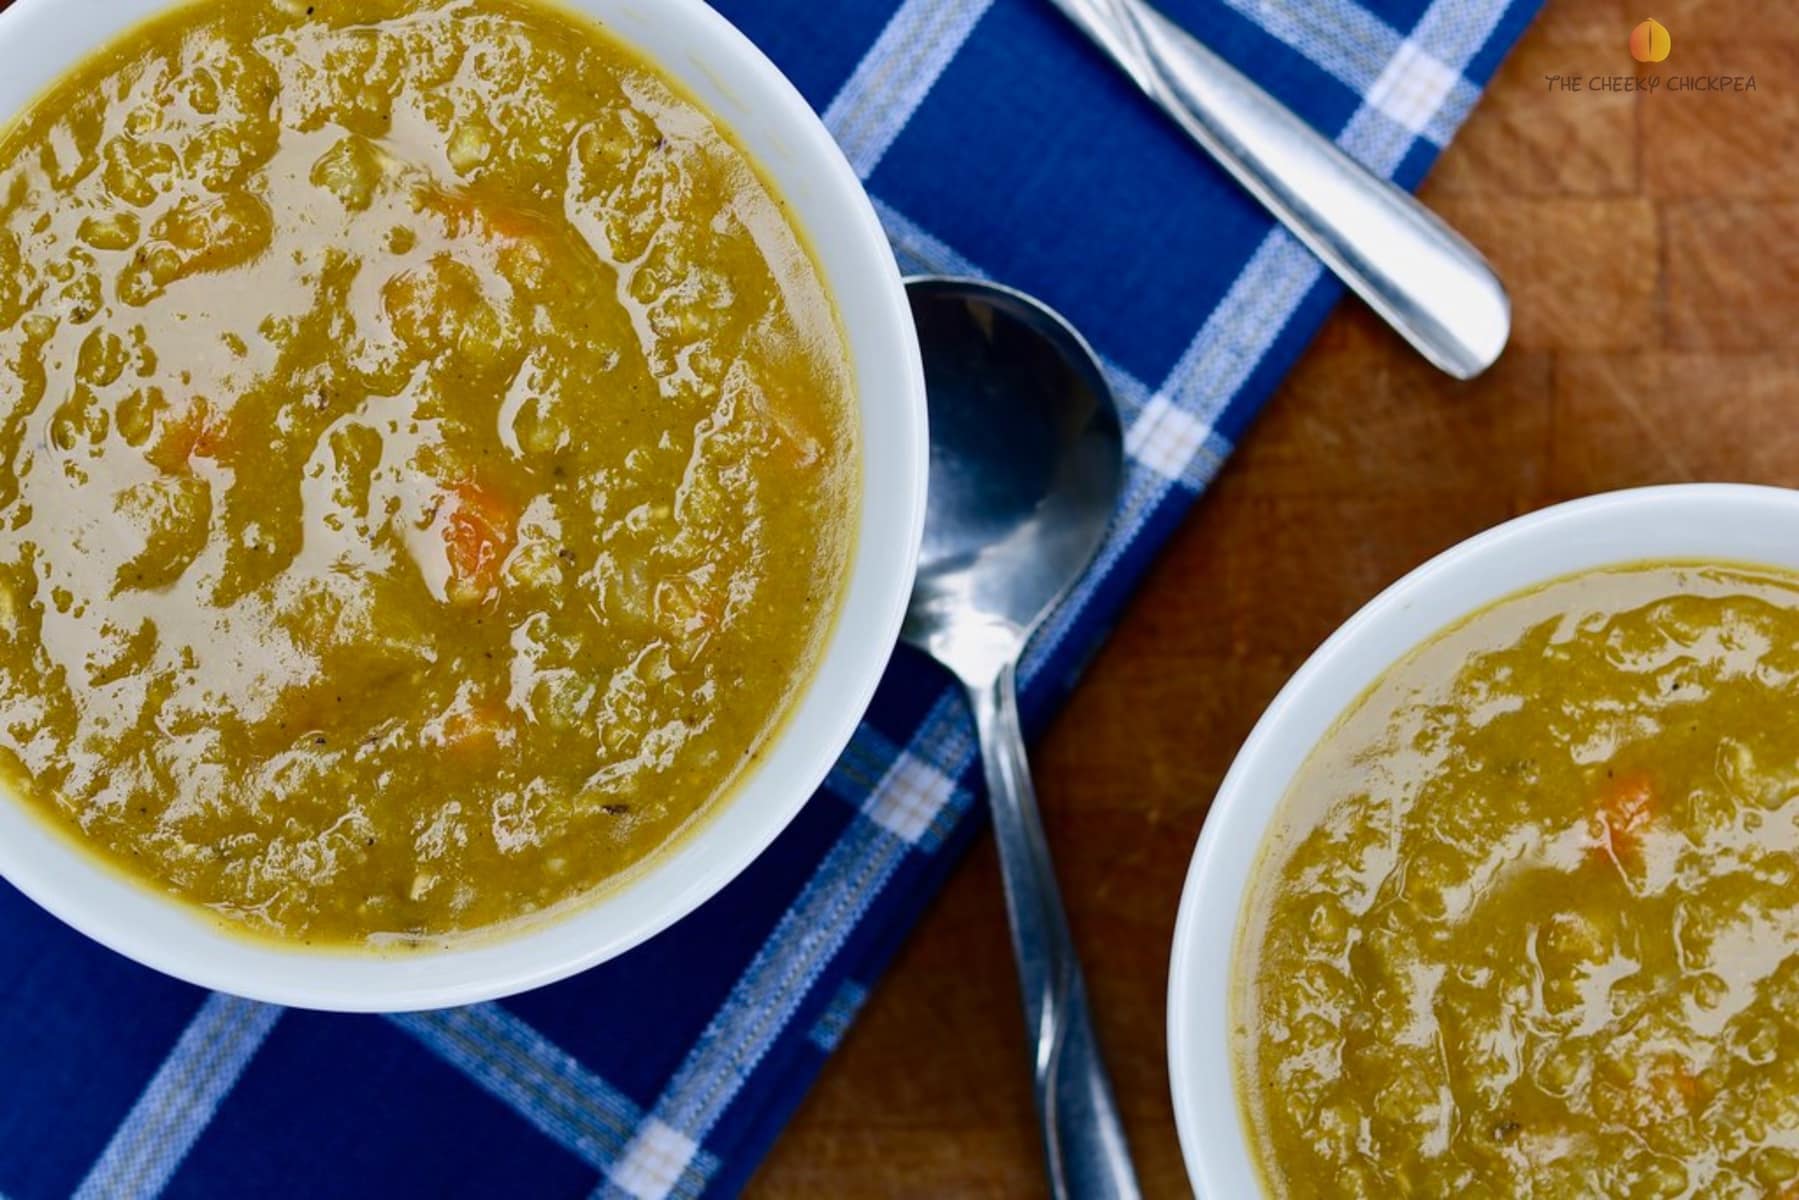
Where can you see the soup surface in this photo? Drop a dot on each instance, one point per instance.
(427, 461)
(1529, 923)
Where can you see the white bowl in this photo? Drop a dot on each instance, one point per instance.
(41, 39)
(1721, 522)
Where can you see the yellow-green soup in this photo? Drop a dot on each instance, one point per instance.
(427, 455)
(1529, 922)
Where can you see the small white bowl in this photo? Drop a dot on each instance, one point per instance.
(41, 39)
(1718, 522)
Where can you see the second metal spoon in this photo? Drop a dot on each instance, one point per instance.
(1420, 275)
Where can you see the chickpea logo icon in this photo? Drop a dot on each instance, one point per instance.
(1650, 42)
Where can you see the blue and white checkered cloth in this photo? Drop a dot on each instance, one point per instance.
(995, 142)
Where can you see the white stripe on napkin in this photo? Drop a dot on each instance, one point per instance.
(544, 1084)
(827, 1032)
(1413, 88)
(866, 771)
(896, 74)
(771, 988)
(655, 1162)
(181, 1099)
(909, 797)
(1362, 50)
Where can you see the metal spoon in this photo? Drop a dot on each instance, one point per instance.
(1411, 268)
(1026, 466)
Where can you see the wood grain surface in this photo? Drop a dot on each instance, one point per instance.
(1651, 245)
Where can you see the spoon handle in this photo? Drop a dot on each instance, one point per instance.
(1411, 268)
(1083, 1137)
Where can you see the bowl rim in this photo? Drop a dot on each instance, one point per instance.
(1592, 532)
(40, 40)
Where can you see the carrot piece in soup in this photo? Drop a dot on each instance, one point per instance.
(196, 432)
(1625, 806)
(473, 732)
(478, 535)
(493, 222)
(1673, 1085)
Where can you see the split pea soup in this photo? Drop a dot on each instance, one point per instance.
(1528, 921)
(427, 462)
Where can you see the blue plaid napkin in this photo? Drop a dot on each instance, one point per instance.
(995, 142)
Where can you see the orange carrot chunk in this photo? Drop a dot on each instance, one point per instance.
(195, 432)
(478, 535)
(1625, 806)
(1673, 1084)
(494, 222)
(473, 732)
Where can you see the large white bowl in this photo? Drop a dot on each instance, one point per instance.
(40, 39)
(1725, 522)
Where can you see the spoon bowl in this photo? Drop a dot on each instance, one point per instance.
(1027, 461)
